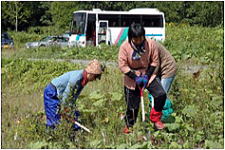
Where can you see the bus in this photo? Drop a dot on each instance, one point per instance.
(94, 27)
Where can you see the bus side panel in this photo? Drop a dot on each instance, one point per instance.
(118, 35)
(155, 33)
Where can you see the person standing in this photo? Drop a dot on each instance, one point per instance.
(166, 70)
(138, 57)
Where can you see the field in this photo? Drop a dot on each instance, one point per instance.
(197, 95)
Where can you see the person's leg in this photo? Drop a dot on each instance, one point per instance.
(51, 105)
(132, 98)
(166, 83)
(159, 95)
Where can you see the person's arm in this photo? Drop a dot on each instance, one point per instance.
(154, 65)
(150, 71)
(122, 60)
(66, 93)
(69, 88)
(123, 65)
(151, 79)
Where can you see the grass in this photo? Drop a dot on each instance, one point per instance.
(198, 44)
(22, 111)
(197, 99)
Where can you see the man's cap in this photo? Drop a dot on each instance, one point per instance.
(94, 67)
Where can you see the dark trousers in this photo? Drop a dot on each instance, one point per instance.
(132, 98)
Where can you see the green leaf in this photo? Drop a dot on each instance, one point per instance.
(99, 103)
(175, 145)
(95, 143)
(173, 126)
(89, 111)
(116, 96)
(122, 146)
(38, 145)
(142, 146)
(212, 144)
(96, 95)
(189, 128)
(190, 111)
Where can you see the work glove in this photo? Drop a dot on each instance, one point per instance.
(144, 80)
(139, 81)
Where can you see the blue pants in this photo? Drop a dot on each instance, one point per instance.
(166, 83)
(52, 106)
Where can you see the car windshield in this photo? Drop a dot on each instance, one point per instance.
(45, 39)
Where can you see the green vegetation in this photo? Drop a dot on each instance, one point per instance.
(20, 16)
(202, 45)
(197, 96)
(198, 105)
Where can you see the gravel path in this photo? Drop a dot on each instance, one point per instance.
(186, 68)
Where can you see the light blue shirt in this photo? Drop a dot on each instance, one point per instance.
(67, 83)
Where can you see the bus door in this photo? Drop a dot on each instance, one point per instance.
(102, 32)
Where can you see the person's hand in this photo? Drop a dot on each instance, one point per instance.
(138, 73)
(145, 80)
(139, 81)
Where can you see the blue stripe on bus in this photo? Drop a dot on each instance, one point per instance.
(153, 35)
(78, 36)
(82, 34)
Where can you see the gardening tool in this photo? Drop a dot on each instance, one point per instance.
(75, 122)
(142, 103)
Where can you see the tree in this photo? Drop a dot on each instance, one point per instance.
(62, 13)
(205, 13)
(15, 12)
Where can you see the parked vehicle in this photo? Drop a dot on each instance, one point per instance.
(49, 41)
(93, 27)
(6, 41)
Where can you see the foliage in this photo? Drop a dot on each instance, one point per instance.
(197, 95)
(15, 13)
(186, 43)
(198, 105)
(59, 14)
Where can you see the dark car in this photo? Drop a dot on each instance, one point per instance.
(49, 41)
(7, 41)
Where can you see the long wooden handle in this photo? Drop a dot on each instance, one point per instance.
(86, 129)
(142, 108)
(77, 123)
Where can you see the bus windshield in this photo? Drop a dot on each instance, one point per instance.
(79, 20)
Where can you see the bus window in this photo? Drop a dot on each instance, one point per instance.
(152, 20)
(127, 20)
(114, 19)
(79, 20)
(91, 27)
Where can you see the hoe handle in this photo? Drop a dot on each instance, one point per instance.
(142, 104)
(75, 122)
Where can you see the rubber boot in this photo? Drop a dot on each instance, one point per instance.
(155, 117)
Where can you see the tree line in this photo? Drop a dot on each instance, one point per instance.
(21, 15)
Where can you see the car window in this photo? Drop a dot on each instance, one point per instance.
(5, 36)
(45, 39)
(62, 39)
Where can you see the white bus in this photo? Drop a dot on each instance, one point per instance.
(111, 27)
